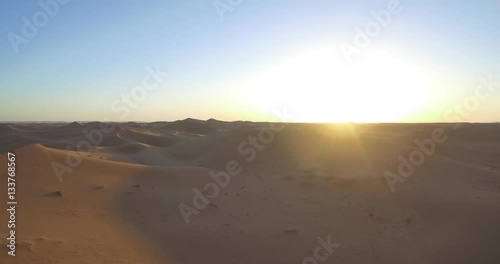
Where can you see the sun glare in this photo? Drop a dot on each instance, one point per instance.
(319, 86)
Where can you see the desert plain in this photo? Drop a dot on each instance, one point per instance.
(195, 191)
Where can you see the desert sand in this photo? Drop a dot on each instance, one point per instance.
(305, 184)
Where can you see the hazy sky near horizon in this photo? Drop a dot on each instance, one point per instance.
(264, 55)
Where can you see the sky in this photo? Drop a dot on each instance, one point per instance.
(416, 61)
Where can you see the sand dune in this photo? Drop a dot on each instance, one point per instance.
(308, 181)
(195, 126)
(150, 138)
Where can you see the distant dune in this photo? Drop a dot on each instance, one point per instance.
(296, 183)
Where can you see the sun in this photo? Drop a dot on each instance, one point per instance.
(319, 86)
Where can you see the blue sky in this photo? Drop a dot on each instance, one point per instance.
(90, 53)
